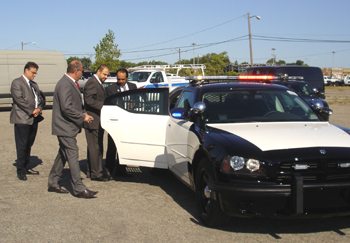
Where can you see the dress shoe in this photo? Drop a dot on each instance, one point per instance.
(123, 174)
(32, 172)
(101, 178)
(86, 194)
(22, 177)
(107, 173)
(56, 189)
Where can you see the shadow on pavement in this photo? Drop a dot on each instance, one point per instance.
(185, 198)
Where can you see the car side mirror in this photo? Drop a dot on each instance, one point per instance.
(198, 108)
(318, 93)
(319, 105)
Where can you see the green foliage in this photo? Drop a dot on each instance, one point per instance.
(279, 62)
(107, 53)
(298, 62)
(185, 72)
(215, 63)
(124, 64)
(152, 63)
(232, 73)
(85, 61)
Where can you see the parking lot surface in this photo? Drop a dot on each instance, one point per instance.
(144, 208)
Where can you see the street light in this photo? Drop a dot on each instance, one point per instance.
(310, 60)
(333, 64)
(273, 56)
(250, 38)
(174, 49)
(193, 52)
(27, 43)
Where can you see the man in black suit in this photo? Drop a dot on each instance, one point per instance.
(67, 121)
(111, 163)
(94, 96)
(25, 114)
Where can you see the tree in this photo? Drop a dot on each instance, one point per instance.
(85, 61)
(298, 62)
(215, 63)
(107, 53)
(124, 64)
(279, 62)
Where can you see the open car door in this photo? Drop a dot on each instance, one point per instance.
(136, 120)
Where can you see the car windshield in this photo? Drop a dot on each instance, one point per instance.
(139, 76)
(301, 89)
(255, 106)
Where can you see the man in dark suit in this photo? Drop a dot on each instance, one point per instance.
(67, 121)
(111, 163)
(25, 114)
(94, 96)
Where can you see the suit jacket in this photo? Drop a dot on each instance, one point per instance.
(94, 97)
(67, 109)
(24, 101)
(115, 88)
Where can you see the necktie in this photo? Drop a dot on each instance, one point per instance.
(76, 82)
(35, 96)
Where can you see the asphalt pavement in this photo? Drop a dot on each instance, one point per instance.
(144, 208)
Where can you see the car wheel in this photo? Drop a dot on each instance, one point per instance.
(335, 84)
(208, 208)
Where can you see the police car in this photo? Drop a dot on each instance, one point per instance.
(245, 148)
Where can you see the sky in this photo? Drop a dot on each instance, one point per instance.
(316, 32)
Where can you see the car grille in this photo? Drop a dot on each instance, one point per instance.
(317, 171)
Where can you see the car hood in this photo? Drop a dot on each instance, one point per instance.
(287, 135)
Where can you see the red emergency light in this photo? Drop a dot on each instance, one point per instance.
(256, 77)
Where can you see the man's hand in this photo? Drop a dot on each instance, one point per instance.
(88, 118)
(36, 112)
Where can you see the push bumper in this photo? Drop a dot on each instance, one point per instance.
(297, 199)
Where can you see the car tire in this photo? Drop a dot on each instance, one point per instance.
(209, 209)
(335, 84)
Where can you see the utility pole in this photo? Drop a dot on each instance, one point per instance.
(250, 38)
(193, 53)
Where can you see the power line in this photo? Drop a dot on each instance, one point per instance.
(188, 34)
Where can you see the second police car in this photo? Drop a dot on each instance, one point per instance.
(246, 149)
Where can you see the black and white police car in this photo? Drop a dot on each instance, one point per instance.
(246, 149)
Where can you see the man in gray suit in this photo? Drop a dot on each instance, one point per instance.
(25, 114)
(94, 96)
(111, 163)
(67, 121)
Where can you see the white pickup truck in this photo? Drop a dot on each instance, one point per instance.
(329, 81)
(154, 76)
(155, 79)
(151, 79)
(346, 80)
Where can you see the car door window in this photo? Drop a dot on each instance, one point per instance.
(157, 78)
(186, 101)
(145, 101)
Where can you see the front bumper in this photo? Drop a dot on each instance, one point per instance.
(299, 199)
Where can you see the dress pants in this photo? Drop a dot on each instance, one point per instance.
(94, 138)
(68, 152)
(24, 137)
(111, 162)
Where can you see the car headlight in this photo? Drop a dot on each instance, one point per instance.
(241, 165)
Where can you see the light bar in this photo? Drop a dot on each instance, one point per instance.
(214, 78)
(256, 77)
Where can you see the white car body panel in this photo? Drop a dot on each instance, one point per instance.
(288, 135)
(177, 147)
(137, 145)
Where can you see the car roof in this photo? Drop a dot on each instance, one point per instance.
(281, 66)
